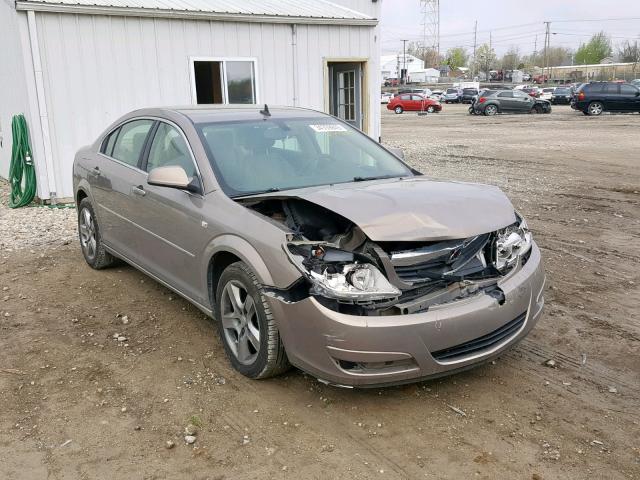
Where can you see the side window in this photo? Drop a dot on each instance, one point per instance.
(107, 144)
(170, 149)
(405, 97)
(519, 93)
(130, 141)
(594, 88)
(628, 89)
(611, 88)
(505, 95)
(416, 97)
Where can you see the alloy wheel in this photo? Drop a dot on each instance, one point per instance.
(430, 109)
(491, 110)
(240, 322)
(595, 108)
(87, 228)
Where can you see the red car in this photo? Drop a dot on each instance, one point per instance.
(412, 102)
(532, 91)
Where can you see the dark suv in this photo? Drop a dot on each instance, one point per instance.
(468, 95)
(597, 97)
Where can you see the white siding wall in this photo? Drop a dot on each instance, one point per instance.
(13, 88)
(97, 68)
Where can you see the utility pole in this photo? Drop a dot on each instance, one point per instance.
(404, 63)
(547, 42)
(475, 42)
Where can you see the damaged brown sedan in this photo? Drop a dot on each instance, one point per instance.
(309, 243)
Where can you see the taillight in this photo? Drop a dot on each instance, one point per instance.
(581, 96)
(482, 100)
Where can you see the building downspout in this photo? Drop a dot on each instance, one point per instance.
(42, 107)
(294, 58)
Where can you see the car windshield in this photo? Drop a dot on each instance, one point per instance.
(470, 90)
(250, 157)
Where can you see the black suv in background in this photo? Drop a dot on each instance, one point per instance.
(597, 97)
(468, 95)
(562, 95)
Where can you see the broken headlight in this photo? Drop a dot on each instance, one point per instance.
(511, 243)
(339, 274)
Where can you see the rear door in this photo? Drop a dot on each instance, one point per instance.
(169, 220)
(506, 101)
(112, 179)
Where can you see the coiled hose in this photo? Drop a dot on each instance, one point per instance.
(21, 168)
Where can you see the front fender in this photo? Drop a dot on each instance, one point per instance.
(243, 250)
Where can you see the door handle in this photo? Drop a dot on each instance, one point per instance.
(96, 171)
(139, 191)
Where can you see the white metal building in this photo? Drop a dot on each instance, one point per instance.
(73, 66)
(391, 65)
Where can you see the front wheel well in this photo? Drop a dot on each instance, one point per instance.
(218, 263)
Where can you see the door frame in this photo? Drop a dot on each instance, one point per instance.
(364, 94)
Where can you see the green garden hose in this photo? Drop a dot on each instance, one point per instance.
(21, 167)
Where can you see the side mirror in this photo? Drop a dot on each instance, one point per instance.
(171, 176)
(397, 152)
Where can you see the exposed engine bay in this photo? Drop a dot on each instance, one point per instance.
(347, 272)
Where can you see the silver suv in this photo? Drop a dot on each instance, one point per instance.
(309, 243)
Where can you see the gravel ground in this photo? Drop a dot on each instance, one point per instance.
(36, 228)
(106, 374)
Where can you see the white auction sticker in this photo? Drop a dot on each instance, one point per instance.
(328, 127)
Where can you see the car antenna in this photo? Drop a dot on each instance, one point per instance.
(266, 111)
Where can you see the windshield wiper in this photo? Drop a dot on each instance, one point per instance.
(257, 192)
(366, 179)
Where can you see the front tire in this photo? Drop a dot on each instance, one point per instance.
(430, 109)
(398, 110)
(247, 328)
(91, 239)
(595, 108)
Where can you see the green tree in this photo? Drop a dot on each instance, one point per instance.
(456, 57)
(597, 48)
(485, 59)
(511, 59)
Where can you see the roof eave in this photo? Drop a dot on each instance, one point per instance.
(191, 15)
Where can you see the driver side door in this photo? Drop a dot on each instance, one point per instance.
(522, 101)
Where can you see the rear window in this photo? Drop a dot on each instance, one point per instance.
(562, 91)
(470, 90)
(452, 90)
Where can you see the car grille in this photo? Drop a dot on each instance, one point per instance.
(481, 343)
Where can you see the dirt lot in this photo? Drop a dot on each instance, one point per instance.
(79, 403)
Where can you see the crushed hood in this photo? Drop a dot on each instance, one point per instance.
(415, 209)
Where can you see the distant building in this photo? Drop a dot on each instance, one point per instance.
(427, 75)
(391, 65)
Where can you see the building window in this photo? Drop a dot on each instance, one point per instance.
(224, 80)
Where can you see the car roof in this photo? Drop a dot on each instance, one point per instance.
(227, 113)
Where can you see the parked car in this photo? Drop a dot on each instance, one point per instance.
(561, 95)
(437, 95)
(385, 97)
(468, 94)
(412, 102)
(509, 101)
(597, 97)
(482, 93)
(425, 92)
(532, 91)
(526, 77)
(452, 95)
(391, 82)
(635, 82)
(309, 243)
(546, 93)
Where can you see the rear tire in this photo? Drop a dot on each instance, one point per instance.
(398, 110)
(91, 239)
(490, 110)
(595, 108)
(246, 322)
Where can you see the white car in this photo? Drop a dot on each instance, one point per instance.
(546, 93)
(385, 97)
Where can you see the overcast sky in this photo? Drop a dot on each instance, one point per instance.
(512, 22)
